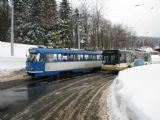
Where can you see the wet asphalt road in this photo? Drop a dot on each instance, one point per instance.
(74, 98)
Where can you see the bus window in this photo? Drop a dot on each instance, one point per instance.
(105, 59)
(110, 59)
(145, 57)
(133, 57)
(122, 58)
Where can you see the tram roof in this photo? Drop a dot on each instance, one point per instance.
(61, 51)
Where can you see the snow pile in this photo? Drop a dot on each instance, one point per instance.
(135, 94)
(10, 64)
(155, 59)
(147, 49)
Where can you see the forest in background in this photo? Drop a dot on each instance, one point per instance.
(43, 22)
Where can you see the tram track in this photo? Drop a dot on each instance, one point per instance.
(28, 80)
(70, 98)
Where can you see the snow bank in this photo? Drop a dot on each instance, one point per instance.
(10, 64)
(135, 94)
(155, 59)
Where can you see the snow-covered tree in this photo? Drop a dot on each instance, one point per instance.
(20, 14)
(76, 23)
(64, 24)
(50, 19)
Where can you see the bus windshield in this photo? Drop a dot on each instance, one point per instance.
(110, 59)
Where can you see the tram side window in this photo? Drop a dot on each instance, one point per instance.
(42, 57)
(94, 57)
(75, 57)
(49, 57)
(59, 58)
(123, 58)
(70, 57)
(86, 57)
(81, 57)
(64, 57)
(90, 57)
(98, 57)
(54, 57)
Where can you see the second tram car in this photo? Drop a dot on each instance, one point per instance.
(116, 60)
(49, 62)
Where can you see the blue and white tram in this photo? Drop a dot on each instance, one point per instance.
(49, 62)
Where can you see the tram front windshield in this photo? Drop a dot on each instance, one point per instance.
(33, 57)
(110, 58)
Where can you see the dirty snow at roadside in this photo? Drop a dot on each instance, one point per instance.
(134, 95)
(10, 64)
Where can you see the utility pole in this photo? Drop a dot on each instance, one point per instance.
(79, 44)
(12, 26)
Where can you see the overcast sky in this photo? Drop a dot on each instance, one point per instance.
(143, 16)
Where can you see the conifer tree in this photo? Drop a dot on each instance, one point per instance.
(19, 20)
(4, 20)
(76, 20)
(34, 21)
(64, 23)
(50, 18)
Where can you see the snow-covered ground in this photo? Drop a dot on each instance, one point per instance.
(155, 59)
(10, 64)
(134, 95)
